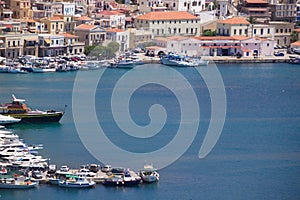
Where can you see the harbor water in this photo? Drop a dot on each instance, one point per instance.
(256, 157)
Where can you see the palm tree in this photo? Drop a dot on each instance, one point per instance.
(251, 20)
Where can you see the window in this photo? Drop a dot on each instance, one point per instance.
(194, 3)
(254, 31)
(184, 4)
(234, 32)
(261, 31)
(268, 44)
(174, 30)
(240, 31)
(268, 31)
(186, 30)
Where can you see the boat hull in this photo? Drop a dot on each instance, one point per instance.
(122, 183)
(39, 118)
(76, 185)
(21, 186)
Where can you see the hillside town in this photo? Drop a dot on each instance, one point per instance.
(232, 28)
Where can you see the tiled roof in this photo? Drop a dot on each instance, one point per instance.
(115, 30)
(256, 1)
(85, 27)
(177, 38)
(297, 30)
(171, 15)
(68, 35)
(235, 20)
(296, 43)
(221, 37)
(110, 12)
(83, 18)
(55, 19)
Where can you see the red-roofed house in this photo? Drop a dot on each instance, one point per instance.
(90, 34)
(115, 18)
(259, 9)
(119, 36)
(233, 26)
(169, 23)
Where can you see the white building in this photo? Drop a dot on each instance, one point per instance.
(262, 31)
(119, 36)
(169, 23)
(223, 8)
(68, 9)
(193, 6)
(179, 44)
(235, 26)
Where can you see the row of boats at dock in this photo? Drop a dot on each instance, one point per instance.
(27, 64)
(21, 167)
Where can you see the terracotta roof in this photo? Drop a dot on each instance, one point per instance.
(296, 43)
(110, 12)
(55, 19)
(177, 38)
(257, 9)
(221, 37)
(256, 1)
(171, 15)
(115, 30)
(85, 27)
(245, 50)
(31, 20)
(297, 30)
(235, 20)
(68, 35)
(83, 18)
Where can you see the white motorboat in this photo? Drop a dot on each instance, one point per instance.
(13, 151)
(149, 174)
(76, 182)
(8, 120)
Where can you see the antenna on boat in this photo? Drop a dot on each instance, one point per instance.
(17, 100)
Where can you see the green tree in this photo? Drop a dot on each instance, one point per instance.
(88, 49)
(294, 36)
(209, 33)
(251, 20)
(114, 46)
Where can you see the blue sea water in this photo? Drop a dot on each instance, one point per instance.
(256, 157)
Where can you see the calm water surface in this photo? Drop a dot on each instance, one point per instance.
(256, 157)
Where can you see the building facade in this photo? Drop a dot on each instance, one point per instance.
(169, 23)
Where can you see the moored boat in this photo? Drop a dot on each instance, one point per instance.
(149, 174)
(122, 180)
(18, 109)
(8, 120)
(182, 61)
(18, 183)
(76, 182)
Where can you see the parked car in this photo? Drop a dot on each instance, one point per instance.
(278, 54)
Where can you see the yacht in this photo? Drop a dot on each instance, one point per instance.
(4, 120)
(149, 174)
(76, 182)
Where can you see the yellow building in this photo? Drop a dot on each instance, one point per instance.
(21, 8)
(54, 25)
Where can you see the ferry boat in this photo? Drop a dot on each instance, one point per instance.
(18, 109)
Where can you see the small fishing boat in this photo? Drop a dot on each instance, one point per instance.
(18, 183)
(149, 174)
(76, 182)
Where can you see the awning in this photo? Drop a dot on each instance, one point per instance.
(47, 41)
